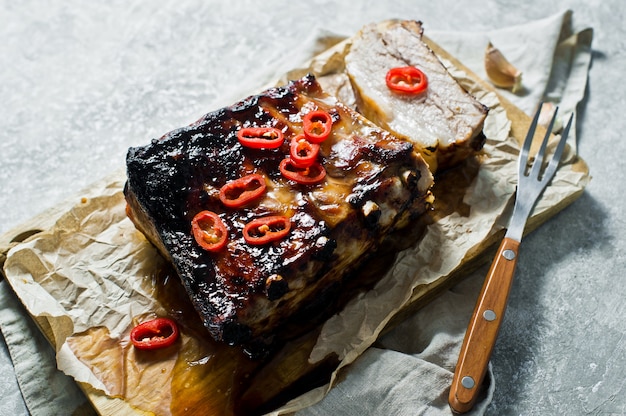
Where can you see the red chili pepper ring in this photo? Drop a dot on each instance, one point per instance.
(406, 79)
(308, 175)
(242, 191)
(209, 231)
(317, 125)
(153, 334)
(303, 153)
(266, 229)
(260, 137)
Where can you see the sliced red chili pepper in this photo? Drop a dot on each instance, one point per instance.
(209, 231)
(242, 191)
(317, 125)
(303, 153)
(153, 334)
(308, 175)
(260, 137)
(267, 229)
(406, 79)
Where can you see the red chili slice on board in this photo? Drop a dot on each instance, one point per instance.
(303, 153)
(309, 175)
(209, 231)
(240, 192)
(154, 334)
(317, 125)
(406, 79)
(260, 137)
(267, 229)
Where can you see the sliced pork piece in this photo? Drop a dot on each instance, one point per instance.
(245, 289)
(444, 122)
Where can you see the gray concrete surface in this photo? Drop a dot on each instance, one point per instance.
(81, 82)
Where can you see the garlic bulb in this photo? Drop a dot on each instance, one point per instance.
(500, 71)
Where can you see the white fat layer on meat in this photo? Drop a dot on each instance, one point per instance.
(442, 115)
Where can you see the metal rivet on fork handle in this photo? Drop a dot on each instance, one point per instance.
(467, 382)
(489, 315)
(508, 254)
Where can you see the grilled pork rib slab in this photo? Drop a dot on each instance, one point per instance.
(444, 122)
(375, 183)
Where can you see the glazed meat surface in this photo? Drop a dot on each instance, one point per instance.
(374, 184)
(445, 122)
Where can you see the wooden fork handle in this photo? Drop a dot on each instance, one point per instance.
(483, 328)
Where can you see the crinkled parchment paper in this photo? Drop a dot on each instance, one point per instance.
(93, 273)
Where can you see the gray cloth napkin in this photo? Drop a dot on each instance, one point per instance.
(44, 389)
(409, 370)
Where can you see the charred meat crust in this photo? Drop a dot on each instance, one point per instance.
(245, 292)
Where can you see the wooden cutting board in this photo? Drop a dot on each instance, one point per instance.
(288, 373)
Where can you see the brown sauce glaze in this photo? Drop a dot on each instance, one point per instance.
(174, 178)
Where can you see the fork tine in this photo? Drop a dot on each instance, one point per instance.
(523, 157)
(556, 157)
(538, 163)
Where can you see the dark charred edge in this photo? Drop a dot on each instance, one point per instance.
(276, 287)
(478, 142)
(235, 333)
(136, 213)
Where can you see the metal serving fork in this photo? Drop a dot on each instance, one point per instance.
(484, 325)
